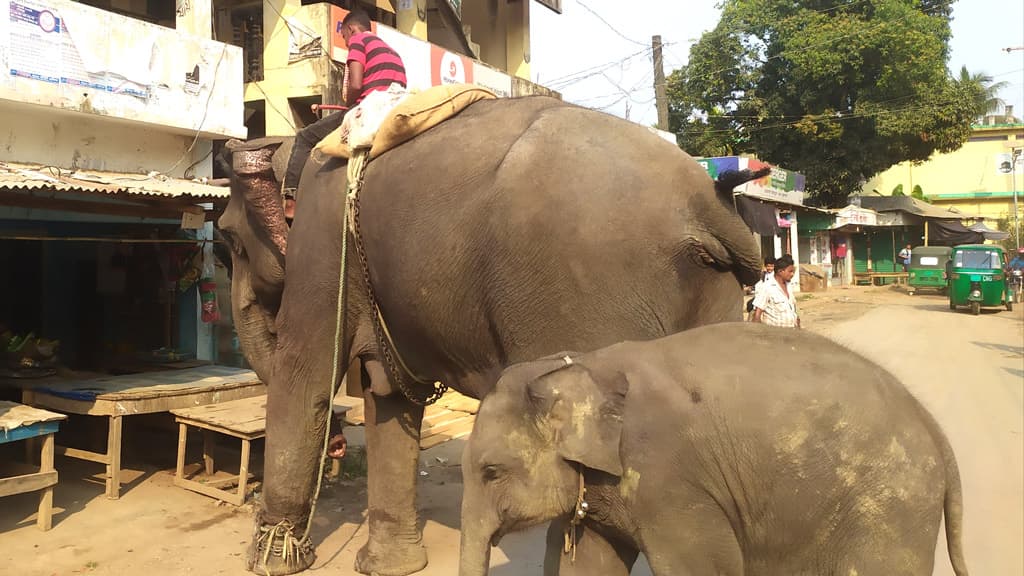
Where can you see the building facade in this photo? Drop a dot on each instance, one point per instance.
(978, 179)
(110, 110)
(294, 54)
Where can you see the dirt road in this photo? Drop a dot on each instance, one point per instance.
(968, 370)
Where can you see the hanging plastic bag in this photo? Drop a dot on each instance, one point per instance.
(208, 287)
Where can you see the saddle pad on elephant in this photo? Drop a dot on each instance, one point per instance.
(421, 112)
(361, 123)
(417, 113)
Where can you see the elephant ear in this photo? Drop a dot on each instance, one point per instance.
(583, 413)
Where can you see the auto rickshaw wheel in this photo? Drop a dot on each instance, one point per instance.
(1009, 305)
(951, 305)
(975, 308)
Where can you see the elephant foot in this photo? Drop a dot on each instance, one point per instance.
(394, 558)
(276, 550)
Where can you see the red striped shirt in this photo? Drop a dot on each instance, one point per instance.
(382, 66)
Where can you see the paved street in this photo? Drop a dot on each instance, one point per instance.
(968, 370)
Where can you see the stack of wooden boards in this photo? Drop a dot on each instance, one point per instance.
(449, 418)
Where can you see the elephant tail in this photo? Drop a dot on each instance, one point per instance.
(953, 508)
(953, 502)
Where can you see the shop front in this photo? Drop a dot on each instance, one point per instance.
(110, 280)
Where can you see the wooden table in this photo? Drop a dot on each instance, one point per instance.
(18, 422)
(244, 419)
(115, 397)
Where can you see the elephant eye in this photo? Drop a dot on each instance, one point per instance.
(491, 472)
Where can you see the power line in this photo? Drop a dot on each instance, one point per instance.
(610, 27)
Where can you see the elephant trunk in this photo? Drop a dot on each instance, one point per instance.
(253, 323)
(479, 527)
(475, 553)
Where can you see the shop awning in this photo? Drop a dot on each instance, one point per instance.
(989, 233)
(909, 205)
(15, 176)
(760, 217)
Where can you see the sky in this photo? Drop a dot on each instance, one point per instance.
(598, 55)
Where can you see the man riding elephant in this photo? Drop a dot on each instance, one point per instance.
(518, 228)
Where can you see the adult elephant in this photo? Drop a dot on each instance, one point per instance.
(516, 229)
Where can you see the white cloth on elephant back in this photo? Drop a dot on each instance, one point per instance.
(779, 309)
(363, 121)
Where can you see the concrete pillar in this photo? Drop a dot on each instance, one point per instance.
(411, 18)
(794, 242)
(195, 17)
(517, 47)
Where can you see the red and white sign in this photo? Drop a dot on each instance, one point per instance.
(448, 68)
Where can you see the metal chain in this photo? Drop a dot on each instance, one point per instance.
(437, 389)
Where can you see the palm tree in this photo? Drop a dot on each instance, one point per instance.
(986, 99)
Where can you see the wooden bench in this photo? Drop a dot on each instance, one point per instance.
(19, 422)
(871, 277)
(243, 419)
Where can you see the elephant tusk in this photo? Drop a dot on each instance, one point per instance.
(579, 513)
(567, 359)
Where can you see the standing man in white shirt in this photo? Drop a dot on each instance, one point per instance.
(775, 303)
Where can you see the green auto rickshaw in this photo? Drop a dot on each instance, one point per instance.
(977, 278)
(927, 270)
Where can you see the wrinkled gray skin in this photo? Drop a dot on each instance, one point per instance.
(516, 229)
(789, 455)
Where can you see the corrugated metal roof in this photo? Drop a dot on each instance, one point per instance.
(35, 177)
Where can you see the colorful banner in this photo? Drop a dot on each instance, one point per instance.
(717, 165)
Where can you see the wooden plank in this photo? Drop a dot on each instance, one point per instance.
(27, 483)
(233, 433)
(14, 415)
(114, 453)
(217, 493)
(29, 431)
(460, 431)
(44, 516)
(449, 425)
(82, 454)
(179, 469)
(154, 384)
(246, 416)
(148, 405)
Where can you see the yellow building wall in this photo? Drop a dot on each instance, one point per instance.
(282, 80)
(502, 31)
(968, 170)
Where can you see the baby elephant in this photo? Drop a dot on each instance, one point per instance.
(725, 450)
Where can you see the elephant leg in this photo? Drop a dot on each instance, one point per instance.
(595, 554)
(296, 425)
(395, 547)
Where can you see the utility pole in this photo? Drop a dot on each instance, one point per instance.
(660, 92)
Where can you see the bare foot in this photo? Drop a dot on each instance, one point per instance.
(336, 446)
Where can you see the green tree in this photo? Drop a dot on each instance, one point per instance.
(898, 190)
(918, 193)
(985, 92)
(838, 90)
